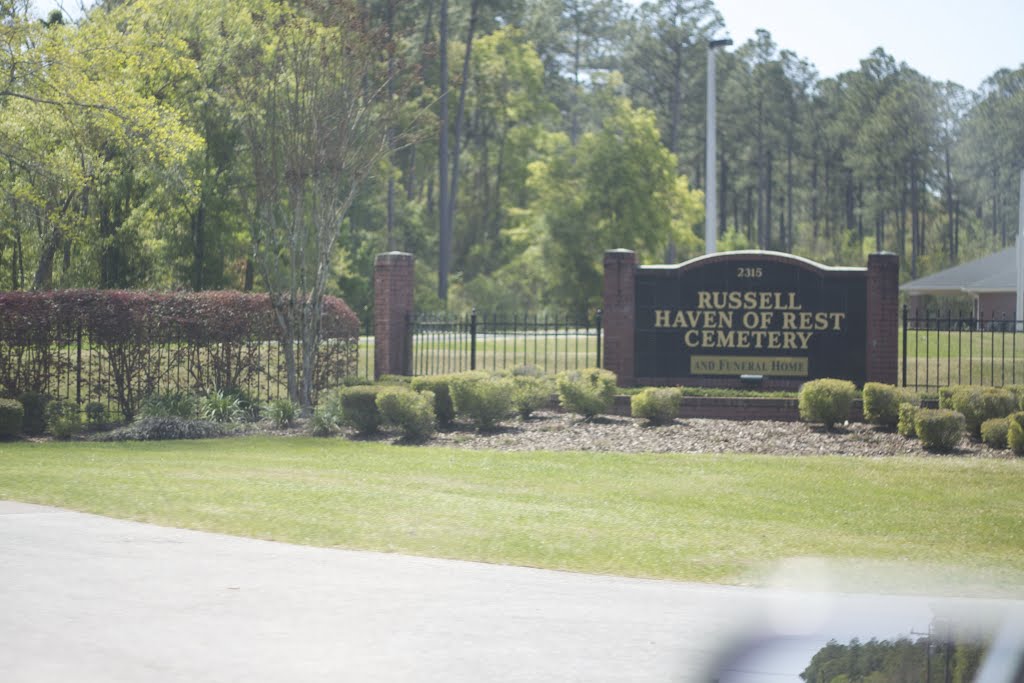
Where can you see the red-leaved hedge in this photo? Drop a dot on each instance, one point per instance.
(117, 315)
(122, 345)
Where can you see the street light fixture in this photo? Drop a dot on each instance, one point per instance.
(710, 197)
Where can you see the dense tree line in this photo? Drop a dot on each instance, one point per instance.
(506, 143)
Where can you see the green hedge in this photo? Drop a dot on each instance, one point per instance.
(12, 415)
(994, 432)
(588, 392)
(978, 404)
(905, 425)
(882, 403)
(939, 429)
(826, 401)
(1015, 434)
(410, 411)
(483, 399)
(658, 406)
(444, 410)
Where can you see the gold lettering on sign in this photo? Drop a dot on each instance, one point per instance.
(760, 321)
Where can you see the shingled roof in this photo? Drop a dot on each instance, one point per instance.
(993, 273)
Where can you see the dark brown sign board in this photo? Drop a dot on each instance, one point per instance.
(755, 313)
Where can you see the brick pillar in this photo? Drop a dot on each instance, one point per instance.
(392, 296)
(620, 314)
(883, 316)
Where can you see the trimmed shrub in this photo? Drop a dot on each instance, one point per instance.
(1015, 434)
(939, 429)
(905, 425)
(882, 403)
(994, 432)
(530, 393)
(97, 418)
(221, 407)
(163, 429)
(410, 411)
(978, 404)
(63, 419)
(34, 405)
(946, 397)
(444, 409)
(281, 412)
(589, 392)
(1018, 394)
(483, 399)
(357, 408)
(12, 415)
(826, 401)
(658, 406)
(169, 404)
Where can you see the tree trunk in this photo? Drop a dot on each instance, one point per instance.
(445, 242)
(459, 120)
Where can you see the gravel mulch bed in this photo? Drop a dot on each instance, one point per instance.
(565, 432)
(556, 431)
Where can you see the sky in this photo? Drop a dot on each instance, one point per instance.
(946, 40)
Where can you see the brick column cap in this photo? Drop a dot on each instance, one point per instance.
(619, 253)
(392, 257)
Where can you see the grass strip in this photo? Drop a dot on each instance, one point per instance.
(689, 517)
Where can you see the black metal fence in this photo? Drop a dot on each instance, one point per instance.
(121, 374)
(943, 349)
(443, 343)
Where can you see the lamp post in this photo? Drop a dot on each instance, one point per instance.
(710, 197)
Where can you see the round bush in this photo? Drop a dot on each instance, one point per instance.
(97, 417)
(939, 429)
(946, 397)
(482, 399)
(826, 401)
(356, 407)
(530, 393)
(12, 415)
(34, 405)
(978, 404)
(658, 406)
(444, 410)
(994, 431)
(1015, 434)
(63, 419)
(905, 426)
(882, 403)
(589, 392)
(410, 411)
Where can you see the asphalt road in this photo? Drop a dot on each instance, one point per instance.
(87, 598)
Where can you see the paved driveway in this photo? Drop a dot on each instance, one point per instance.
(87, 598)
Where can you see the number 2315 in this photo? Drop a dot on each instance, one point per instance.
(748, 271)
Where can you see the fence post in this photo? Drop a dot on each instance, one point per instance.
(620, 309)
(904, 345)
(472, 340)
(883, 279)
(393, 306)
(78, 366)
(597, 326)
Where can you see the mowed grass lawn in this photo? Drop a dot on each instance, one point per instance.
(690, 517)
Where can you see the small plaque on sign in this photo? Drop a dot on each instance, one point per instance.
(778, 366)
